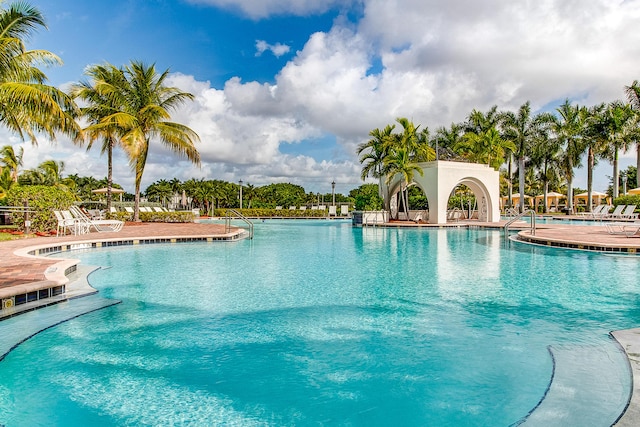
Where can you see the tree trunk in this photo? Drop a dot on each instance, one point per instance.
(109, 175)
(590, 162)
(637, 164)
(510, 180)
(521, 183)
(616, 187)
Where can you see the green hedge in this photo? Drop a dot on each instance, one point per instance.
(155, 216)
(630, 199)
(42, 200)
(276, 213)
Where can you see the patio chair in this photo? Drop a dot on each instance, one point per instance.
(628, 229)
(79, 227)
(128, 209)
(157, 209)
(616, 212)
(100, 225)
(332, 211)
(628, 212)
(64, 224)
(344, 210)
(596, 212)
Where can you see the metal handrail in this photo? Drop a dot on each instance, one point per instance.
(237, 214)
(526, 212)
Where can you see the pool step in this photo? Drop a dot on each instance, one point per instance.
(591, 386)
(18, 329)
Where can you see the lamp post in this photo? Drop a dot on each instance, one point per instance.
(624, 185)
(240, 182)
(333, 193)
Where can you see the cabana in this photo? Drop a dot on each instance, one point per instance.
(596, 198)
(553, 200)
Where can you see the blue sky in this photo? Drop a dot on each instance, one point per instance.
(286, 89)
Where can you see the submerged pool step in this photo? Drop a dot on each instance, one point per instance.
(18, 329)
(590, 387)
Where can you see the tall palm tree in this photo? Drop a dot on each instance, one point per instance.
(545, 156)
(105, 80)
(27, 104)
(620, 130)
(372, 154)
(399, 162)
(569, 129)
(11, 160)
(522, 129)
(145, 103)
(596, 142)
(633, 96)
(445, 139)
(484, 147)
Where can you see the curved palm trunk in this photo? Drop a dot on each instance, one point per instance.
(109, 174)
(637, 164)
(570, 188)
(521, 183)
(510, 181)
(616, 188)
(590, 164)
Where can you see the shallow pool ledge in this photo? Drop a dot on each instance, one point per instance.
(629, 339)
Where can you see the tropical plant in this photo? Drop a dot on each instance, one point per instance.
(27, 105)
(523, 129)
(372, 154)
(633, 96)
(620, 130)
(11, 160)
(486, 147)
(144, 103)
(568, 127)
(105, 80)
(545, 157)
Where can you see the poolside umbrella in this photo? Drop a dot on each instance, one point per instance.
(113, 191)
(634, 191)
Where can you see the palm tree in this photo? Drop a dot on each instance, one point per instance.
(27, 105)
(399, 162)
(595, 141)
(105, 79)
(486, 147)
(545, 156)
(569, 129)
(445, 139)
(145, 103)
(620, 131)
(633, 96)
(11, 160)
(372, 154)
(522, 130)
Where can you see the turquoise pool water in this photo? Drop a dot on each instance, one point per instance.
(319, 323)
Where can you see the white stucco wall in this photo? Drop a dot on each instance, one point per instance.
(441, 177)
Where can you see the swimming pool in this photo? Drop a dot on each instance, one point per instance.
(317, 322)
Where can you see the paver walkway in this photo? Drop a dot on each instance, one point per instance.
(16, 270)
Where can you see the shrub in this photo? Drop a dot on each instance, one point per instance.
(42, 200)
(275, 213)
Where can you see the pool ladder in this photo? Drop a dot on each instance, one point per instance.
(530, 212)
(231, 214)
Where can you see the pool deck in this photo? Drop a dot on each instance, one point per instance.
(21, 263)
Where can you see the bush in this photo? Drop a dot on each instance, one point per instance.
(275, 213)
(42, 201)
(630, 199)
(181, 216)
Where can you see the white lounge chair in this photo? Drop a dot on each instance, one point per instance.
(303, 208)
(628, 229)
(157, 209)
(344, 210)
(64, 224)
(128, 209)
(628, 212)
(332, 211)
(597, 212)
(100, 225)
(278, 208)
(79, 227)
(616, 212)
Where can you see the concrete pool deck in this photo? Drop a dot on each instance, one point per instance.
(22, 263)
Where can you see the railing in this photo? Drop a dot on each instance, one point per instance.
(517, 217)
(236, 214)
